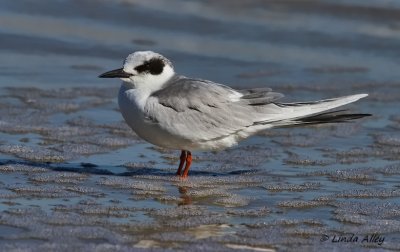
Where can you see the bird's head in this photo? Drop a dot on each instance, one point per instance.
(143, 69)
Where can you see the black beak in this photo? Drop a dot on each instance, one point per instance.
(117, 73)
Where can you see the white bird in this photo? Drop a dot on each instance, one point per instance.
(177, 112)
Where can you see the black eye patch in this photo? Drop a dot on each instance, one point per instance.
(154, 66)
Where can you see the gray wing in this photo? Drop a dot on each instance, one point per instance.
(259, 96)
(201, 110)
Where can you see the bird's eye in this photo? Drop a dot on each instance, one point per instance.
(154, 66)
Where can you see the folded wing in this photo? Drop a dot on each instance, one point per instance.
(200, 110)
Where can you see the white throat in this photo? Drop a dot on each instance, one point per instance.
(142, 86)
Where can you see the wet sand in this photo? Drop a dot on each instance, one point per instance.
(75, 177)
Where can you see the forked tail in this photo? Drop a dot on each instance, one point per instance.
(317, 112)
(338, 116)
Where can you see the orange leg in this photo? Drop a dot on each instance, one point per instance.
(188, 163)
(181, 163)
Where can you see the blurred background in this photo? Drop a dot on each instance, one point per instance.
(65, 43)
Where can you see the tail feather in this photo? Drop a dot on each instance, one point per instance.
(328, 117)
(307, 113)
(302, 109)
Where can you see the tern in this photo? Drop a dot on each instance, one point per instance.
(176, 112)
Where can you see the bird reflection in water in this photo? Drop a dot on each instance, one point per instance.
(186, 199)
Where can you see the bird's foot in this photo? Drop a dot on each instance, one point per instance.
(182, 177)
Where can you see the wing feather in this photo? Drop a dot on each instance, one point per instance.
(200, 110)
(209, 109)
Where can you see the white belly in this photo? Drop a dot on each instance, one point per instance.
(131, 104)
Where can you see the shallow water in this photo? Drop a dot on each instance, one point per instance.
(75, 177)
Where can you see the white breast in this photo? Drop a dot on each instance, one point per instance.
(131, 103)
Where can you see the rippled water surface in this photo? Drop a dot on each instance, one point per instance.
(74, 177)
